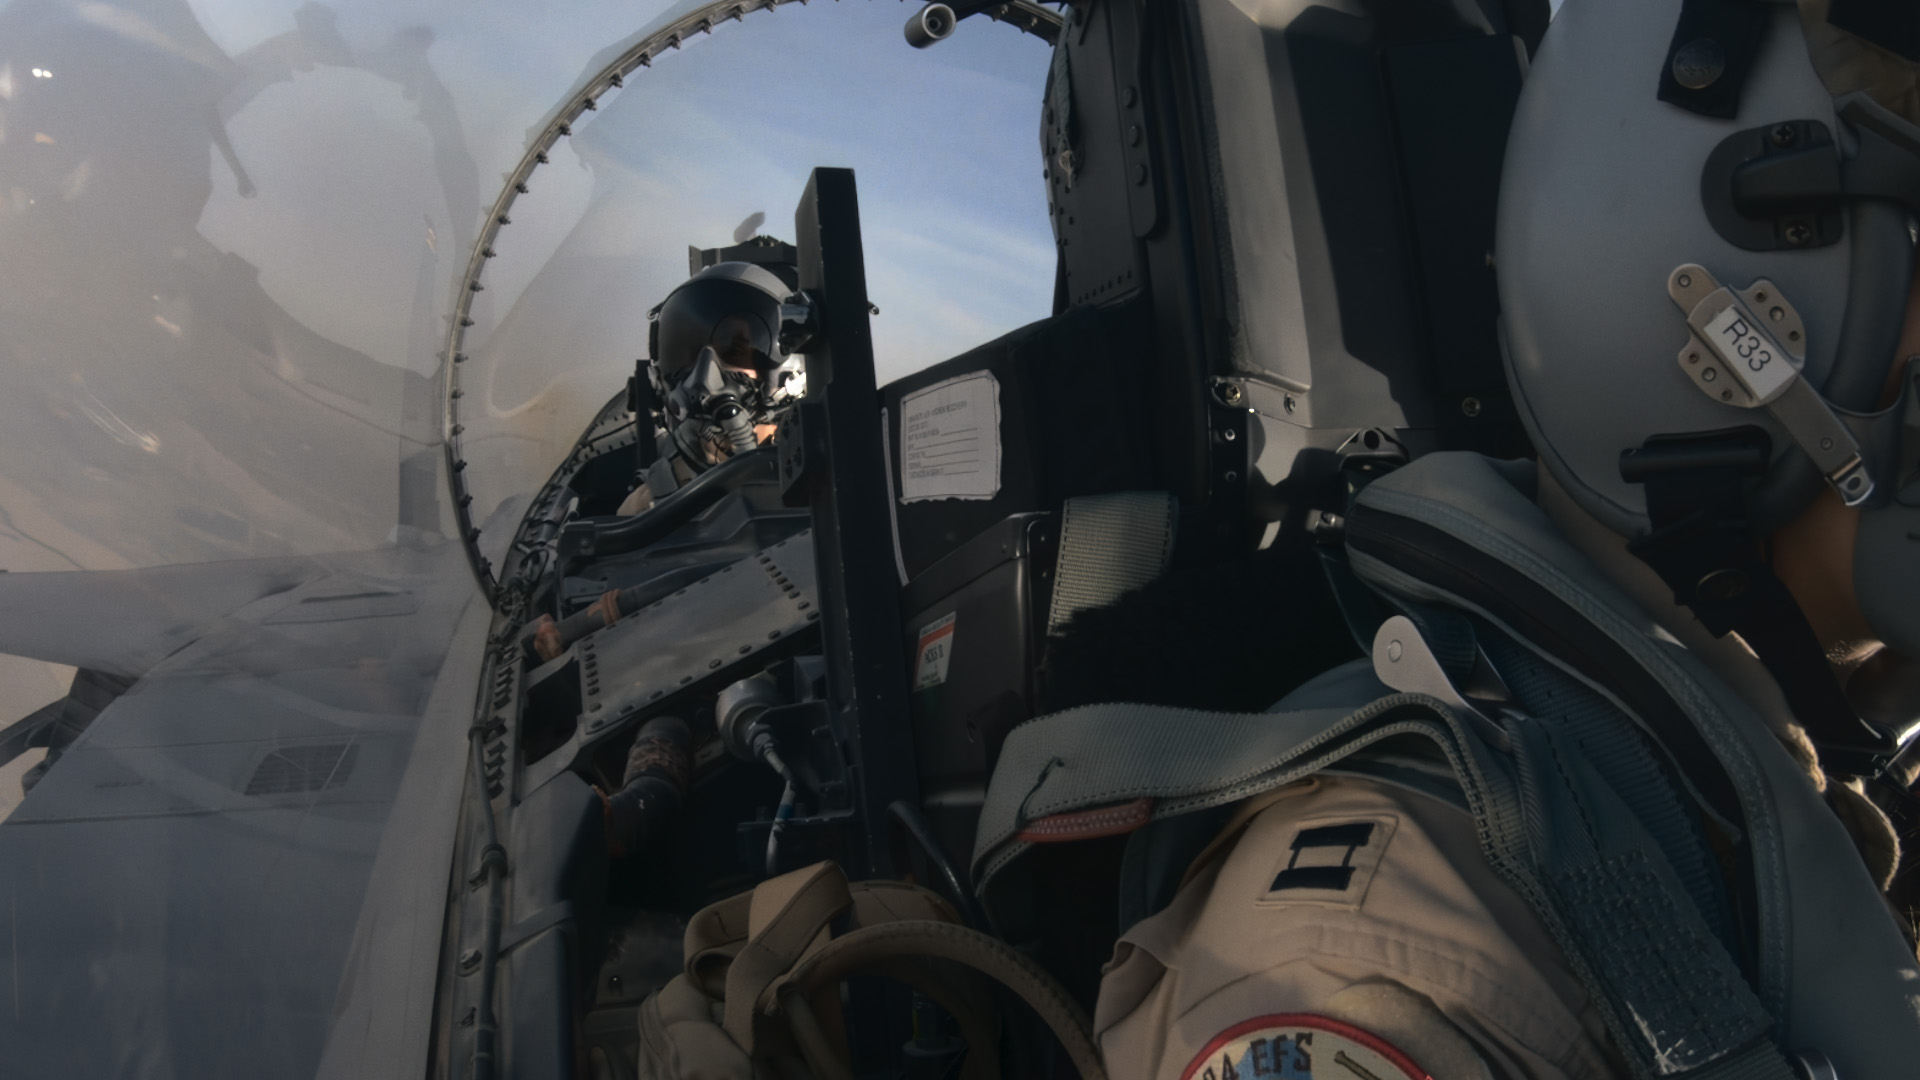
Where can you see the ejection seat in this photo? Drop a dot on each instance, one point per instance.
(1273, 226)
(1044, 415)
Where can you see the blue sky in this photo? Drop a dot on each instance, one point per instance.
(944, 142)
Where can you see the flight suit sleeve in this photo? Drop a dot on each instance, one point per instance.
(1349, 930)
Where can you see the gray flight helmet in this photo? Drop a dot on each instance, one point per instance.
(1618, 218)
(733, 307)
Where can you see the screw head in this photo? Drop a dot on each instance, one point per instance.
(1229, 434)
(1231, 394)
(1799, 234)
(1470, 406)
(1782, 135)
(1394, 651)
(469, 959)
(1289, 403)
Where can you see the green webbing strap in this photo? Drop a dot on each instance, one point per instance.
(1675, 1002)
(1109, 545)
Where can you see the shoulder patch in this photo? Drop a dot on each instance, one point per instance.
(1329, 861)
(1300, 1046)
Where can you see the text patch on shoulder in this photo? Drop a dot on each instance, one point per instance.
(1300, 1046)
(1329, 861)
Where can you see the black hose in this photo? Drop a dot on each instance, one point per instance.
(916, 825)
(586, 539)
(1878, 282)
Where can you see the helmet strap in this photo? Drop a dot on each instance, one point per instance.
(1705, 548)
(643, 400)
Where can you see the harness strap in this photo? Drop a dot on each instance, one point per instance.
(1109, 546)
(787, 917)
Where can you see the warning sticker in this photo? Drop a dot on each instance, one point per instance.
(950, 440)
(936, 648)
(1300, 1047)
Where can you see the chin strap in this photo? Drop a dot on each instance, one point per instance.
(1704, 547)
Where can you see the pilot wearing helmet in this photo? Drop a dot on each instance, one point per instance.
(1622, 789)
(714, 373)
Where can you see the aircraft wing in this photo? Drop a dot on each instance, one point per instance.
(192, 886)
(123, 622)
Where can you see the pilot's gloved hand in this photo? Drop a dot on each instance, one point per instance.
(638, 501)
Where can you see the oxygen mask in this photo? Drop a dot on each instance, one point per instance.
(713, 410)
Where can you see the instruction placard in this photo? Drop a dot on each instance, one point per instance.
(950, 440)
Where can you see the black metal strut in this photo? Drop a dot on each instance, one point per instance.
(830, 449)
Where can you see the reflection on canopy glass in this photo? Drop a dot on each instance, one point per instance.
(234, 230)
(718, 140)
(232, 237)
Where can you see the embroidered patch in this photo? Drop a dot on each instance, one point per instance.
(1329, 862)
(1300, 1046)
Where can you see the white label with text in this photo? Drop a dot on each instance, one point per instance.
(936, 649)
(950, 440)
(1749, 353)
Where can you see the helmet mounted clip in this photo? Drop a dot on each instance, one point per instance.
(1737, 357)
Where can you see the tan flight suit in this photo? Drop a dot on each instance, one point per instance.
(1359, 903)
(1422, 946)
